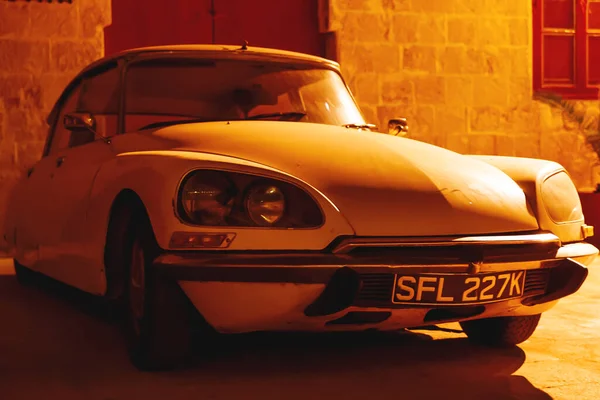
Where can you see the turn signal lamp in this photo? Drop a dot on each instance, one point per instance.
(191, 240)
(587, 231)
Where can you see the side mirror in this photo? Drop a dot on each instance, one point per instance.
(78, 122)
(398, 127)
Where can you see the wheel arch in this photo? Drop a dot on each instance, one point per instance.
(126, 204)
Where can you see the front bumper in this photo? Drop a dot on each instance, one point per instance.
(350, 286)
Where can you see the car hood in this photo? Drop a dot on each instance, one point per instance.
(383, 185)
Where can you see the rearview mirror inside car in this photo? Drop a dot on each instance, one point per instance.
(398, 127)
(76, 122)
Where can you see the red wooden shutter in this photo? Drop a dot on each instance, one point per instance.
(562, 55)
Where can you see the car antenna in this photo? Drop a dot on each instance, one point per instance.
(244, 45)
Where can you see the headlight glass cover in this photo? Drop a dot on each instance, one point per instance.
(207, 198)
(265, 204)
(219, 198)
(561, 199)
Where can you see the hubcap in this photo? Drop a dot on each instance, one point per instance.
(137, 285)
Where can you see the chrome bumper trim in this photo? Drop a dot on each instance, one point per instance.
(349, 244)
(581, 252)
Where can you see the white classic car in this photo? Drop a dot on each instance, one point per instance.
(237, 189)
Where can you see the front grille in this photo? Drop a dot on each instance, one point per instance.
(376, 289)
(463, 253)
(536, 282)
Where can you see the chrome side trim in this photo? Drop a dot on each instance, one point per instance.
(349, 244)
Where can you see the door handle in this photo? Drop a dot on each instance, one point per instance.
(59, 161)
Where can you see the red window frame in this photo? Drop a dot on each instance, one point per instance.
(579, 88)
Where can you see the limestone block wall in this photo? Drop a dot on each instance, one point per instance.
(460, 71)
(42, 46)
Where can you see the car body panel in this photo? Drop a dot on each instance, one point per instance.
(530, 174)
(364, 173)
(63, 253)
(234, 302)
(154, 176)
(29, 205)
(163, 170)
(237, 307)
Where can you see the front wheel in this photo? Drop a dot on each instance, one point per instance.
(501, 331)
(157, 312)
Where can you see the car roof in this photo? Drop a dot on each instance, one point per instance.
(239, 52)
(208, 50)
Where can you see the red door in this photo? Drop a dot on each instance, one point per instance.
(288, 25)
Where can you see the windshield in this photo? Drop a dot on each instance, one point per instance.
(167, 90)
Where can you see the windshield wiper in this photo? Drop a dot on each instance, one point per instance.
(162, 124)
(291, 114)
(361, 126)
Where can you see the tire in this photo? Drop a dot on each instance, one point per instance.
(501, 331)
(157, 314)
(25, 276)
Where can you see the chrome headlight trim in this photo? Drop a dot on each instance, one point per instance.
(245, 181)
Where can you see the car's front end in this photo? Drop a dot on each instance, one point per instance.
(382, 283)
(259, 249)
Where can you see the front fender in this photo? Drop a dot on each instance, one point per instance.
(155, 176)
(529, 174)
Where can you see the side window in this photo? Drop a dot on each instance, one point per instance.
(62, 136)
(100, 97)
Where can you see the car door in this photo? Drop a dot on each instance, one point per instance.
(73, 170)
(31, 211)
(32, 203)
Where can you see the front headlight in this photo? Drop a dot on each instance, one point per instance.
(217, 198)
(561, 199)
(265, 204)
(207, 198)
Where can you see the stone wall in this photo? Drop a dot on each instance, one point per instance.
(460, 70)
(42, 46)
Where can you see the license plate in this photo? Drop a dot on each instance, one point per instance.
(436, 289)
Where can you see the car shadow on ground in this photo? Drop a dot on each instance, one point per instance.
(70, 345)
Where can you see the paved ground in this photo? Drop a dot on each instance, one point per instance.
(61, 346)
